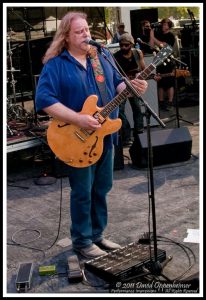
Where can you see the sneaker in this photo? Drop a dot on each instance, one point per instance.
(90, 251)
(107, 245)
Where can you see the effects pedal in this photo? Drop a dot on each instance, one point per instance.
(74, 270)
(47, 270)
(23, 279)
(146, 238)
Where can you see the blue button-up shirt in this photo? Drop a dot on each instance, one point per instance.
(63, 79)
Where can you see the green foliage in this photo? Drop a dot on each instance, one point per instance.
(177, 12)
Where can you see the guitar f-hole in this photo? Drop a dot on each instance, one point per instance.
(93, 147)
(60, 126)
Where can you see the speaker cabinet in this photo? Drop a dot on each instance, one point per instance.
(168, 146)
(150, 96)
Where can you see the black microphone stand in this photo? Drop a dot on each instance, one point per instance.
(155, 266)
(177, 116)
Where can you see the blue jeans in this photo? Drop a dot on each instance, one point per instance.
(89, 187)
(137, 118)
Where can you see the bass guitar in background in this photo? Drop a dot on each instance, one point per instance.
(176, 73)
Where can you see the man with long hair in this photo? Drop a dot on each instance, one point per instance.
(66, 81)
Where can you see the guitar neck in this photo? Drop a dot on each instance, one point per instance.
(167, 75)
(112, 105)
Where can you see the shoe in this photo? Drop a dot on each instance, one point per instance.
(107, 245)
(90, 251)
(163, 106)
(139, 131)
(169, 106)
(126, 143)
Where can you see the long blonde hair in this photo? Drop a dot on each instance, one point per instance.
(59, 40)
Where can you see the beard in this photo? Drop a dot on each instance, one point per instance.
(125, 51)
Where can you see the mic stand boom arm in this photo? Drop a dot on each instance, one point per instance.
(155, 266)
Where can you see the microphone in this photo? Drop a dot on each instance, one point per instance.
(93, 43)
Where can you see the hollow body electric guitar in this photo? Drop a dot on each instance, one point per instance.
(79, 147)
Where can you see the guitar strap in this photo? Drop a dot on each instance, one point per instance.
(137, 57)
(99, 75)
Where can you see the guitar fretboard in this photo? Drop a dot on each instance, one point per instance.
(111, 106)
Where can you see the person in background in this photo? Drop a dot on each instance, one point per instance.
(66, 81)
(120, 31)
(147, 37)
(166, 84)
(132, 62)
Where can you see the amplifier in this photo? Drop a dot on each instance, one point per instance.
(124, 262)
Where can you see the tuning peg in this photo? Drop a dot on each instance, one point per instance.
(168, 59)
(164, 63)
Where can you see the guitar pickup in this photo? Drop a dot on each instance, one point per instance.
(99, 117)
(79, 136)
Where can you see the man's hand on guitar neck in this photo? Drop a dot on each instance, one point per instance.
(139, 85)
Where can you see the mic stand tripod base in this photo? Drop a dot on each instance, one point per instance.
(174, 118)
(45, 180)
(155, 268)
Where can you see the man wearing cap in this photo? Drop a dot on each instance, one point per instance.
(120, 31)
(132, 62)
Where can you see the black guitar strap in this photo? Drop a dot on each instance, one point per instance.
(137, 57)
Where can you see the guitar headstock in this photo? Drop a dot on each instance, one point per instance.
(162, 55)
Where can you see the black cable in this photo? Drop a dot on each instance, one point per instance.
(183, 247)
(87, 282)
(19, 186)
(15, 243)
